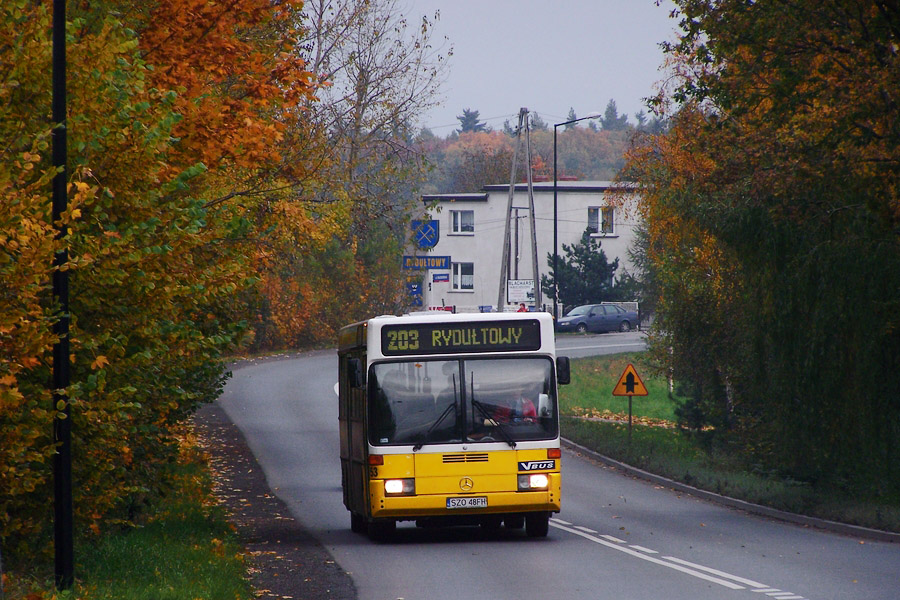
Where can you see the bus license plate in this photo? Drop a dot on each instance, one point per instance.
(470, 502)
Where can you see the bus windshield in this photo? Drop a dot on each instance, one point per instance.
(466, 400)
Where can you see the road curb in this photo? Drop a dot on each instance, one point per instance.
(843, 528)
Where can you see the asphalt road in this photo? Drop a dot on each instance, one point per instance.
(576, 345)
(617, 537)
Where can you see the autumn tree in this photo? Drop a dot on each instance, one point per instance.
(166, 163)
(581, 153)
(377, 72)
(772, 217)
(472, 161)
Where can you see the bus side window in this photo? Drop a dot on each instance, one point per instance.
(355, 373)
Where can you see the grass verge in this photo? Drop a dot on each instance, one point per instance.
(184, 550)
(594, 418)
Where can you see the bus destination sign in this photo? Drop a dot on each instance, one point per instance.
(452, 338)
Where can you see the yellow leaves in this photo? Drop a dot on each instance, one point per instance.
(29, 362)
(99, 362)
(621, 417)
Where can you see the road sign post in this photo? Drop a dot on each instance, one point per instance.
(629, 384)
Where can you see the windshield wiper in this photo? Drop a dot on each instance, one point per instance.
(506, 437)
(434, 426)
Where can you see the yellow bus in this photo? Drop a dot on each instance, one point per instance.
(450, 419)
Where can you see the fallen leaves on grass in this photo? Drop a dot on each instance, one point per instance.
(621, 417)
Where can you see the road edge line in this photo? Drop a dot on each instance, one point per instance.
(782, 515)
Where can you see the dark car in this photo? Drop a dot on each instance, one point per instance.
(598, 318)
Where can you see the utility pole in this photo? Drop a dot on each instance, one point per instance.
(531, 218)
(505, 267)
(504, 264)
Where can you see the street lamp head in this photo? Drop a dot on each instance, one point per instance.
(593, 115)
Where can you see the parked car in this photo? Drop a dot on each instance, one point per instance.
(598, 318)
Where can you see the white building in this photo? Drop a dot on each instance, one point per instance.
(463, 268)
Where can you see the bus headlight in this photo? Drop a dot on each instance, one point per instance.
(400, 487)
(537, 481)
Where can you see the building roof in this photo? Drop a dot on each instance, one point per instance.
(561, 186)
(589, 187)
(472, 197)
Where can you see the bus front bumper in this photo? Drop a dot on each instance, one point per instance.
(439, 504)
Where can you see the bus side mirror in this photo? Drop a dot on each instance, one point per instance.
(563, 375)
(355, 373)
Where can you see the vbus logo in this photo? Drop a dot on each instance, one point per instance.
(537, 465)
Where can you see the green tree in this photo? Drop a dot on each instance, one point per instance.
(469, 122)
(585, 274)
(570, 117)
(611, 120)
(641, 118)
(537, 123)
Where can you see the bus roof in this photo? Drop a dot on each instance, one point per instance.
(538, 328)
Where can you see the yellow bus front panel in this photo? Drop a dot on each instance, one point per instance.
(477, 483)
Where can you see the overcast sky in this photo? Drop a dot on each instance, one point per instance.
(546, 55)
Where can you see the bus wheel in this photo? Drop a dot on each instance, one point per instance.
(357, 523)
(381, 531)
(537, 524)
(514, 521)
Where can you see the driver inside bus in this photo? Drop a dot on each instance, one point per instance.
(520, 408)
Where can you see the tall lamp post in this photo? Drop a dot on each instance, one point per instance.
(593, 115)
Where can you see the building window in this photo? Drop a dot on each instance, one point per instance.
(462, 221)
(463, 277)
(601, 220)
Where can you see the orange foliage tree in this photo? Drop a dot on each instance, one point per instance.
(772, 210)
(164, 247)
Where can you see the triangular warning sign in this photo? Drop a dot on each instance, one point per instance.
(630, 384)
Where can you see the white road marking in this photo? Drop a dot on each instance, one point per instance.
(747, 582)
(613, 539)
(635, 553)
(702, 572)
